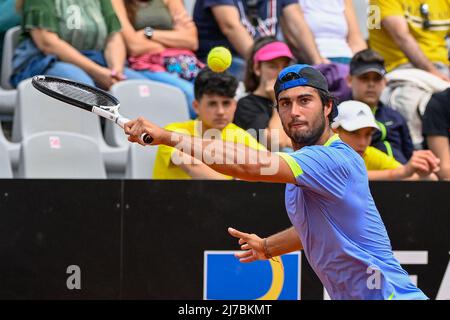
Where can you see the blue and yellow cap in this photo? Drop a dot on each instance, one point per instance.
(300, 75)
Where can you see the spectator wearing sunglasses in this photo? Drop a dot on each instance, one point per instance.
(412, 34)
(236, 23)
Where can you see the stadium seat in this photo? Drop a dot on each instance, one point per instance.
(5, 164)
(37, 112)
(8, 96)
(65, 155)
(140, 162)
(155, 101)
(13, 149)
(9, 44)
(158, 102)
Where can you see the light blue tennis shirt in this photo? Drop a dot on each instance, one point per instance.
(343, 236)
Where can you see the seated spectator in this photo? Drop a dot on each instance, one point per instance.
(160, 37)
(355, 124)
(215, 104)
(235, 23)
(75, 40)
(335, 28)
(8, 19)
(256, 110)
(367, 82)
(436, 129)
(412, 35)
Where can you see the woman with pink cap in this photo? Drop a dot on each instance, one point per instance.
(256, 110)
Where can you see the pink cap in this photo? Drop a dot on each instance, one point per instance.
(272, 51)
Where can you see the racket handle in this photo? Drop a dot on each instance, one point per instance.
(146, 138)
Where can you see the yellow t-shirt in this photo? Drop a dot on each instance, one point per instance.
(375, 159)
(165, 169)
(431, 41)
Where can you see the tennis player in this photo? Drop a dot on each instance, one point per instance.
(335, 220)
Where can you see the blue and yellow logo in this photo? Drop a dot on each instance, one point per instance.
(225, 278)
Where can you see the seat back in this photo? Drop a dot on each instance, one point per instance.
(50, 155)
(10, 43)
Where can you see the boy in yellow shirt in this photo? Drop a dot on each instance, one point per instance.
(215, 105)
(355, 124)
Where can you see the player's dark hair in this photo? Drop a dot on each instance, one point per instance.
(220, 83)
(326, 98)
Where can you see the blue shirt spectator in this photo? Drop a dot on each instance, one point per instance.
(235, 23)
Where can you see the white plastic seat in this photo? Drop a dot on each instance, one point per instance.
(65, 155)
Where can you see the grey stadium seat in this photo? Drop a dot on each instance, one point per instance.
(140, 162)
(8, 96)
(155, 101)
(13, 149)
(5, 164)
(9, 44)
(53, 154)
(37, 112)
(158, 102)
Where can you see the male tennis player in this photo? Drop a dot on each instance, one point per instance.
(335, 220)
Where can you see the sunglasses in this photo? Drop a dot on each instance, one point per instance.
(424, 12)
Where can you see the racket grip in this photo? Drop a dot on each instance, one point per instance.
(146, 138)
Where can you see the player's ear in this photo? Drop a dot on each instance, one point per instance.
(195, 105)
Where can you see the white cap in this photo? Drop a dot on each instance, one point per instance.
(354, 115)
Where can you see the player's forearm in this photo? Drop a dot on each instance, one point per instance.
(184, 39)
(239, 38)
(283, 242)
(231, 159)
(115, 52)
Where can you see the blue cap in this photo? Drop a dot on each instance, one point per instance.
(299, 75)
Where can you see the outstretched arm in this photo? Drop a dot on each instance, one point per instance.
(255, 248)
(228, 158)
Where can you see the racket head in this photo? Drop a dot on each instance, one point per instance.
(75, 93)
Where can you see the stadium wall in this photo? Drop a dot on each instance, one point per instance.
(116, 239)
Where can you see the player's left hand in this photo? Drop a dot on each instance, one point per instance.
(251, 244)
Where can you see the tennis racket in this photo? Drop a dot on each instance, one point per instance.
(85, 97)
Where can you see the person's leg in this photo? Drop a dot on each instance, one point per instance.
(69, 71)
(440, 146)
(173, 79)
(133, 74)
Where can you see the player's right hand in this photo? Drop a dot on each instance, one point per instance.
(252, 246)
(137, 127)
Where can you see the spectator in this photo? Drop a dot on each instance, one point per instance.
(367, 82)
(235, 23)
(335, 28)
(355, 124)
(215, 104)
(436, 129)
(256, 110)
(8, 19)
(412, 34)
(160, 37)
(78, 40)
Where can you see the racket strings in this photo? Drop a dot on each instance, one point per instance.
(81, 93)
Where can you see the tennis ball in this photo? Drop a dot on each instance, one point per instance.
(219, 59)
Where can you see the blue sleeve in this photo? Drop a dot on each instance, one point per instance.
(8, 17)
(213, 3)
(323, 171)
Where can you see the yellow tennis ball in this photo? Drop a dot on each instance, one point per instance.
(219, 59)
